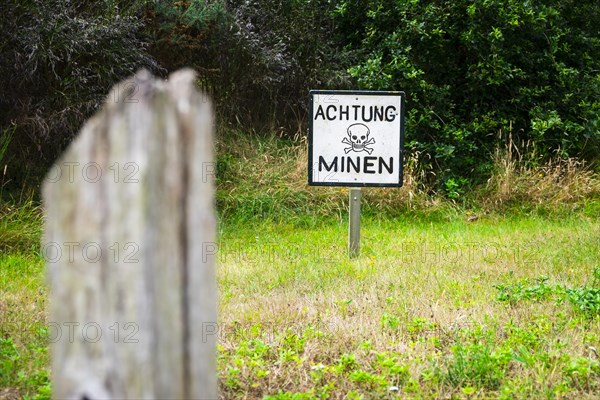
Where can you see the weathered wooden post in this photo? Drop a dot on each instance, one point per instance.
(129, 242)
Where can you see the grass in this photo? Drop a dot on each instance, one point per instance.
(265, 177)
(491, 295)
(419, 314)
(24, 356)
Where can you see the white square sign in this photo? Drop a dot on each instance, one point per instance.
(355, 138)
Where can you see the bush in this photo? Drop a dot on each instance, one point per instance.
(58, 60)
(479, 75)
(257, 58)
(474, 69)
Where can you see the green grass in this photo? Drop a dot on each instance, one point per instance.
(433, 307)
(419, 314)
(491, 296)
(24, 359)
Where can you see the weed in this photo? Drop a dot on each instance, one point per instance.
(389, 321)
(586, 300)
(347, 362)
(455, 187)
(537, 290)
(417, 327)
(475, 365)
(583, 373)
(9, 362)
(290, 396)
(368, 380)
(396, 372)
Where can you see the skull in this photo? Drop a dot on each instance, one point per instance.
(359, 134)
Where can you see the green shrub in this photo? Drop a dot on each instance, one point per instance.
(58, 61)
(257, 58)
(472, 69)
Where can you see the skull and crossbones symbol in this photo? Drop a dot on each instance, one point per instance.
(359, 138)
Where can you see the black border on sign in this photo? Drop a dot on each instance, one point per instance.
(311, 94)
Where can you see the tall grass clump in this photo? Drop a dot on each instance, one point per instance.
(265, 176)
(519, 180)
(20, 226)
(5, 138)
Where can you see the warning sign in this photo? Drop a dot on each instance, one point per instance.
(355, 138)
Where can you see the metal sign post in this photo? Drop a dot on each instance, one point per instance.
(354, 223)
(355, 139)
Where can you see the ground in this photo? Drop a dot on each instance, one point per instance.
(491, 295)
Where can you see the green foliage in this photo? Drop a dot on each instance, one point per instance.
(390, 322)
(585, 299)
(185, 33)
(455, 187)
(39, 384)
(9, 361)
(347, 362)
(537, 290)
(478, 75)
(58, 60)
(583, 373)
(475, 365)
(473, 69)
(257, 58)
(290, 396)
(12, 373)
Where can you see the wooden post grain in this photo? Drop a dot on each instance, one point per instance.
(129, 242)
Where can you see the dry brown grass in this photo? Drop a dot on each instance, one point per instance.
(555, 183)
(273, 173)
(268, 176)
(9, 394)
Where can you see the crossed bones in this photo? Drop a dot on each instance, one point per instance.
(362, 131)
